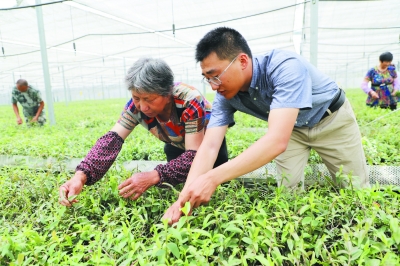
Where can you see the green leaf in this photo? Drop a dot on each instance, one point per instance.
(234, 229)
(304, 209)
(20, 258)
(176, 234)
(247, 240)
(290, 244)
(263, 260)
(372, 262)
(306, 220)
(174, 249)
(186, 208)
(72, 197)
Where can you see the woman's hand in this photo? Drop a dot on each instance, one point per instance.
(72, 187)
(137, 184)
(374, 95)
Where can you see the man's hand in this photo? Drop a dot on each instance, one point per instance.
(174, 212)
(374, 95)
(72, 187)
(137, 184)
(34, 119)
(19, 121)
(198, 192)
(394, 92)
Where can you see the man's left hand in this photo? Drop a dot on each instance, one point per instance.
(198, 192)
(137, 184)
(34, 119)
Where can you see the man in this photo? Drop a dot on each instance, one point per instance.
(31, 101)
(304, 108)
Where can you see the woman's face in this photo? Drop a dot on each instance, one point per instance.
(150, 104)
(385, 64)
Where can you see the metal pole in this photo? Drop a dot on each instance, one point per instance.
(45, 63)
(314, 33)
(345, 82)
(127, 91)
(102, 87)
(102, 92)
(368, 62)
(68, 91)
(13, 78)
(65, 87)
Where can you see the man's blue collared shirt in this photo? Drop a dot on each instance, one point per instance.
(281, 79)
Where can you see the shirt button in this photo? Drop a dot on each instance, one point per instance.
(256, 88)
(295, 122)
(255, 99)
(306, 122)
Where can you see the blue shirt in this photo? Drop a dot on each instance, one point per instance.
(281, 79)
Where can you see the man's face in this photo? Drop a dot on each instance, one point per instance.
(22, 88)
(232, 79)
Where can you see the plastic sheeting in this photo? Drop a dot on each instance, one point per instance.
(110, 35)
(384, 175)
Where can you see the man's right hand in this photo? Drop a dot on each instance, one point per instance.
(374, 95)
(19, 121)
(72, 187)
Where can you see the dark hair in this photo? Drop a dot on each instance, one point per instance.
(22, 82)
(227, 43)
(386, 57)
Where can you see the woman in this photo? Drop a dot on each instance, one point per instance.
(175, 113)
(384, 83)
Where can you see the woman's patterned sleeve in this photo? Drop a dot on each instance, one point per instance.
(175, 171)
(101, 157)
(194, 116)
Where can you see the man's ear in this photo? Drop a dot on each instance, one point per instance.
(244, 60)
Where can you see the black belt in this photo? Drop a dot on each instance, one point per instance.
(337, 102)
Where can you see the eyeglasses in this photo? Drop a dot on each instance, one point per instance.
(216, 80)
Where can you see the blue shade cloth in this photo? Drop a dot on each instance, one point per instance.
(281, 79)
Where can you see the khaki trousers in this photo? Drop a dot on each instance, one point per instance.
(336, 139)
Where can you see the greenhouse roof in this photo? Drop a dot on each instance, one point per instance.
(99, 40)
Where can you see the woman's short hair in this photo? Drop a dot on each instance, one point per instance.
(386, 57)
(150, 75)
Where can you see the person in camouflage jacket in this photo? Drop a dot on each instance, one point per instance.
(31, 102)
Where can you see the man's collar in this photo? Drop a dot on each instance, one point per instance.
(254, 77)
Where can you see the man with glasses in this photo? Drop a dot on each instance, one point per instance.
(304, 108)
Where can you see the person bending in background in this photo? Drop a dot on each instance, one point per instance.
(31, 102)
(175, 113)
(384, 83)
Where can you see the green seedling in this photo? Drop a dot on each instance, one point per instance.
(72, 197)
(261, 225)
